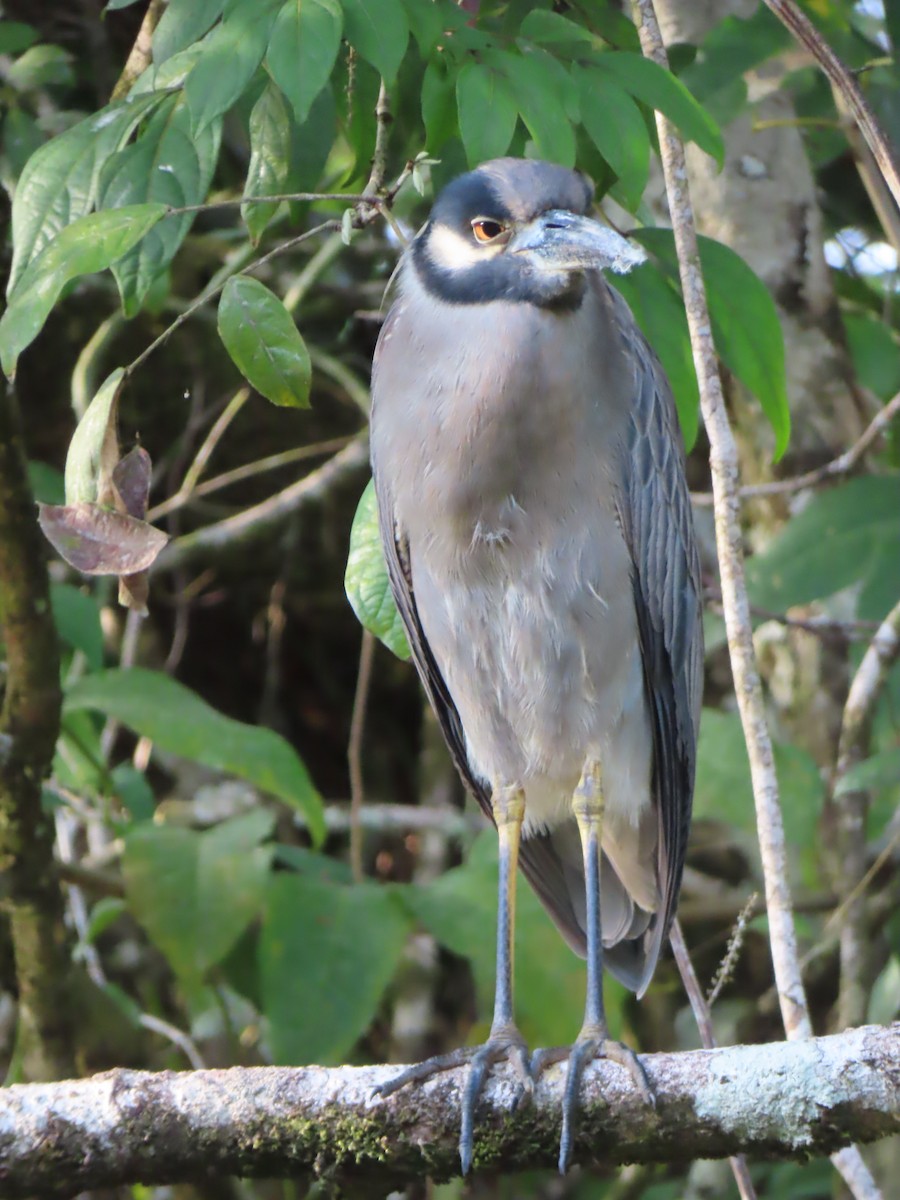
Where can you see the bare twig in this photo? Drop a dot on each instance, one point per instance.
(729, 542)
(842, 465)
(724, 465)
(245, 527)
(805, 32)
(287, 458)
(354, 752)
(852, 809)
(783, 1099)
(222, 278)
(141, 54)
(703, 1018)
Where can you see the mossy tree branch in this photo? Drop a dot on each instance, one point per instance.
(785, 1099)
(29, 724)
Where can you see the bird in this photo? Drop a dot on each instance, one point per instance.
(537, 529)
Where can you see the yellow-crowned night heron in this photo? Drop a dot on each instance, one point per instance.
(538, 534)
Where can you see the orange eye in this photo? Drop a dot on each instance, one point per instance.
(486, 231)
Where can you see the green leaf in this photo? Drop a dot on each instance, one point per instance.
(379, 31)
(658, 310)
(170, 164)
(875, 353)
(183, 23)
(872, 774)
(16, 36)
(39, 67)
(303, 47)
(366, 580)
(746, 328)
(487, 112)
(660, 89)
(536, 91)
(326, 955)
(724, 790)
(196, 893)
(90, 244)
(614, 124)
(94, 445)
(438, 106)
(59, 182)
(177, 720)
(231, 54)
(77, 620)
(262, 339)
(270, 152)
(834, 542)
(884, 1001)
(551, 29)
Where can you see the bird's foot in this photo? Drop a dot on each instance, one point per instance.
(591, 1044)
(503, 1043)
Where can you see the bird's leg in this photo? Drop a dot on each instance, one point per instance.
(593, 1041)
(504, 1040)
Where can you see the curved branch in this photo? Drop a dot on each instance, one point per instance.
(785, 1099)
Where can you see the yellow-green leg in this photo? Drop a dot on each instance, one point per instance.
(504, 1040)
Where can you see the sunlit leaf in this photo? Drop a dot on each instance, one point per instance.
(94, 448)
(59, 182)
(366, 579)
(170, 164)
(270, 152)
(90, 244)
(262, 339)
(177, 720)
(230, 57)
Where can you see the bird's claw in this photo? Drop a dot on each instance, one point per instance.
(588, 1047)
(504, 1044)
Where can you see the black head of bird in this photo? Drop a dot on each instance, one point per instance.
(537, 528)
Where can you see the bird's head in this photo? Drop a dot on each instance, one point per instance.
(516, 229)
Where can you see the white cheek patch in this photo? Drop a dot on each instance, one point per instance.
(452, 251)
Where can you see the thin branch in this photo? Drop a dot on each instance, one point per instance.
(287, 458)
(806, 33)
(842, 465)
(784, 1099)
(247, 526)
(852, 809)
(729, 543)
(354, 752)
(141, 54)
(213, 290)
(703, 1018)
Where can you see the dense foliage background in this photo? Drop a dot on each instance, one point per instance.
(224, 902)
